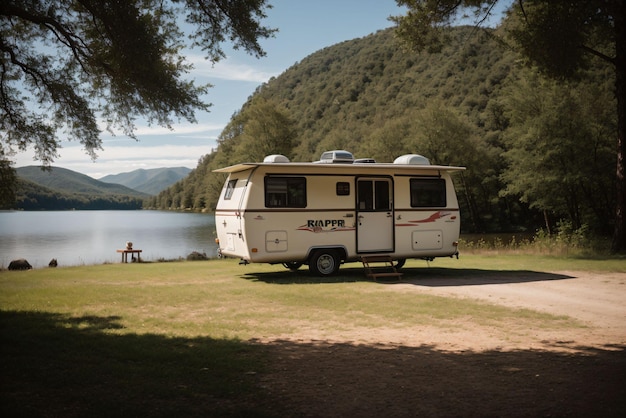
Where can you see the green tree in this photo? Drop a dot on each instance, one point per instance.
(65, 64)
(379, 144)
(557, 35)
(559, 146)
(266, 129)
(449, 139)
(8, 184)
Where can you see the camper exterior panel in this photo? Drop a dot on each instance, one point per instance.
(438, 232)
(300, 231)
(279, 213)
(276, 241)
(230, 224)
(427, 240)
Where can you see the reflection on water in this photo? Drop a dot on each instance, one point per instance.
(92, 237)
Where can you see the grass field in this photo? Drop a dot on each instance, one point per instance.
(163, 339)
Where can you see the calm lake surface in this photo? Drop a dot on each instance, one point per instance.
(92, 237)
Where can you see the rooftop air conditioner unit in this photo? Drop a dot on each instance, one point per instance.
(276, 158)
(412, 159)
(337, 156)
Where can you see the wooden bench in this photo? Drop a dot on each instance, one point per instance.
(125, 253)
(380, 266)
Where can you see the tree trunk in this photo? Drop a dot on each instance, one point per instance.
(471, 205)
(619, 241)
(546, 219)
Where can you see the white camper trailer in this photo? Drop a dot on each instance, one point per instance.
(337, 210)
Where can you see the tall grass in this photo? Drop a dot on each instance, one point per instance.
(566, 241)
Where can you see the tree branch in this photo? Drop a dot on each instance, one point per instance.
(35, 75)
(65, 36)
(598, 54)
(487, 14)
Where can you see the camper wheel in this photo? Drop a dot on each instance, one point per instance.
(293, 265)
(324, 262)
(400, 263)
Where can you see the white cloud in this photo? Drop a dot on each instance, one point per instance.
(121, 159)
(228, 70)
(156, 147)
(189, 129)
(186, 129)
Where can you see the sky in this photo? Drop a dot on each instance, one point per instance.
(304, 27)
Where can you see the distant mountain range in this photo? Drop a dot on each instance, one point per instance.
(150, 181)
(63, 189)
(62, 179)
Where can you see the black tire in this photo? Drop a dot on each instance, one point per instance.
(324, 263)
(400, 263)
(293, 265)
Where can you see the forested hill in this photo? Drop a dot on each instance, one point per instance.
(535, 149)
(62, 189)
(368, 95)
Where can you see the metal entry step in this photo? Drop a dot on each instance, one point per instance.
(380, 266)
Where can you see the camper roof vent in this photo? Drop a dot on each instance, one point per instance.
(337, 156)
(276, 158)
(364, 161)
(412, 159)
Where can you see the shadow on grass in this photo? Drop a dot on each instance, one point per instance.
(56, 365)
(436, 277)
(303, 276)
(346, 380)
(430, 276)
(53, 365)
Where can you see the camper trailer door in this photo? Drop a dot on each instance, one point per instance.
(374, 211)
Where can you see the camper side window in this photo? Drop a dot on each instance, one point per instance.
(428, 193)
(343, 188)
(230, 188)
(285, 192)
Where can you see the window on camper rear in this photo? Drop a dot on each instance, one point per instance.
(428, 193)
(285, 192)
(230, 188)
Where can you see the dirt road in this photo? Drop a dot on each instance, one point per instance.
(471, 369)
(596, 300)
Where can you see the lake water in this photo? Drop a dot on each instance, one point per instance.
(92, 237)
